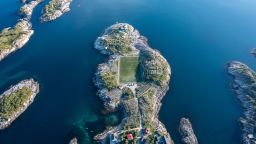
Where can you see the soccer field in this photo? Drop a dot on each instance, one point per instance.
(128, 68)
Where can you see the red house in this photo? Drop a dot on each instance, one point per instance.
(129, 136)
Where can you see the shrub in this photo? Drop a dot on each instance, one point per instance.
(127, 93)
(109, 79)
(155, 68)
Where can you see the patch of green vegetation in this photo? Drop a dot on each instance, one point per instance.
(109, 79)
(148, 125)
(131, 122)
(127, 93)
(51, 8)
(10, 104)
(155, 68)
(130, 107)
(151, 139)
(8, 36)
(118, 41)
(124, 139)
(114, 66)
(146, 103)
(129, 67)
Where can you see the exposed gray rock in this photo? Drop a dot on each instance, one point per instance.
(186, 132)
(27, 9)
(244, 85)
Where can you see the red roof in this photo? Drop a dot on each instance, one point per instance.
(129, 136)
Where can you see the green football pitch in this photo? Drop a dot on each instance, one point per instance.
(128, 68)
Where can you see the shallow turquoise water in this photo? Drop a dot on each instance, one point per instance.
(197, 38)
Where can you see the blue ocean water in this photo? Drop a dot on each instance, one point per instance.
(197, 38)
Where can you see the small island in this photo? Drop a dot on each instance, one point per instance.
(244, 85)
(55, 9)
(27, 9)
(15, 38)
(133, 80)
(73, 141)
(253, 51)
(16, 100)
(186, 132)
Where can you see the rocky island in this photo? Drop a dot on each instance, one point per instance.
(55, 9)
(23, 1)
(16, 100)
(73, 141)
(186, 131)
(253, 51)
(27, 9)
(244, 85)
(15, 38)
(133, 80)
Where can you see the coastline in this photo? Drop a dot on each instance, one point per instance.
(26, 10)
(132, 108)
(33, 86)
(243, 84)
(24, 35)
(16, 37)
(186, 132)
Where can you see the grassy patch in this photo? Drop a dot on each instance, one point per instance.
(109, 79)
(146, 105)
(10, 104)
(8, 36)
(129, 67)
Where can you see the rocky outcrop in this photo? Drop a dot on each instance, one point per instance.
(186, 132)
(73, 141)
(244, 85)
(27, 9)
(12, 39)
(253, 51)
(55, 9)
(23, 1)
(138, 101)
(31, 85)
